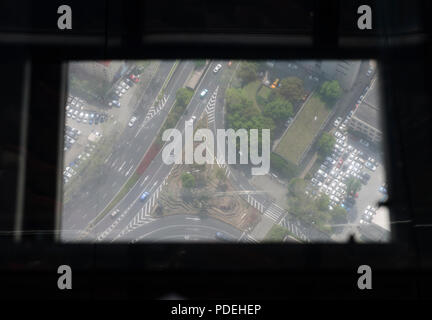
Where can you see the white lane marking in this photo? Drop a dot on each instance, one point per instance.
(145, 179)
(127, 172)
(107, 159)
(114, 163)
(121, 167)
(193, 218)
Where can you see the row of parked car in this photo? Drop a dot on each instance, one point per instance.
(70, 136)
(71, 169)
(85, 116)
(122, 88)
(368, 215)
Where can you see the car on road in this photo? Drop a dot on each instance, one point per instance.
(369, 72)
(222, 236)
(115, 212)
(288, 122)
(144, 196)
(132, 121)
(203, 93)
(217, 68)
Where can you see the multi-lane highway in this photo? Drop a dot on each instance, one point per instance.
(134, 213)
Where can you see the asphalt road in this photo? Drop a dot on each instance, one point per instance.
(184, 228)
(126, 154)
(120, 227)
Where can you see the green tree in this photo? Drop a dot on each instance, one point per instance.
(292, 88)
(276, 233)
(338, 215)
(247, 72)
(183, 96)
(279, 109)
(325, 144)
(353, 185)
(282, 167)
(188, 180)
(330, 91)
(297, 187)
(323, 203)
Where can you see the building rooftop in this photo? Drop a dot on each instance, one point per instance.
(369, 110)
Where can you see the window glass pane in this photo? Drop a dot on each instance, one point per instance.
(213, 150)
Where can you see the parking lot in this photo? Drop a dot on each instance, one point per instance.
(85, 124)
(351, 160)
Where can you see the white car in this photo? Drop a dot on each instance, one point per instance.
(132, 121)
(217, 68)
(203, 93)
(115, 212)
(334, 198)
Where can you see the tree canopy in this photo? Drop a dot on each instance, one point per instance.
(188, 180)
(325, 144)
(292, 88)
(247, 72)
(278, 109)
(183, 96)
(353, 185)
(331, 91)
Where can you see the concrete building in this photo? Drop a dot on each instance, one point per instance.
(367, 116)
(344, 71)
(106, 71)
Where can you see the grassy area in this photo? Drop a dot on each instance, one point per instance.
(277, 233)
(303, 131)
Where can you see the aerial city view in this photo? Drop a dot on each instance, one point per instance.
(224, 151)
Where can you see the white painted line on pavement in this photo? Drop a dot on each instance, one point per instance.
(121, 167)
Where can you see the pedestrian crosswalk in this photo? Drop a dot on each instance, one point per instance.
(255, 203)
(294, 228)
(210, 108)
(274, 212)
(249, 239)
